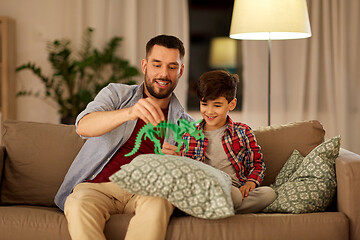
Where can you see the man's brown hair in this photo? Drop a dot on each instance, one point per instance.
(217, 83)
(166, 41)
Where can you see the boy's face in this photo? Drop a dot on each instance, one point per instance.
(215, 112)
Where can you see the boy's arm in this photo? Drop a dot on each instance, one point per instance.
(254, 159)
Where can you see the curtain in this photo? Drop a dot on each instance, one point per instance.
(315, 78)
(136, 21)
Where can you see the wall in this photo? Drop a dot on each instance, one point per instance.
(40, 21)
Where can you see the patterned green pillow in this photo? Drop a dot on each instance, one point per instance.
(313, 185)
(192, 186)
(291, 165)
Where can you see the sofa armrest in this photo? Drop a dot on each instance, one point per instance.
(348, 194)
(2, 160)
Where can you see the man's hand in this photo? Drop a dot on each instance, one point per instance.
(169, 149)
(98, 123)
(148, 111)
(246, 188)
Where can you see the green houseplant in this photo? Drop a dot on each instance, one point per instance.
(78, 77)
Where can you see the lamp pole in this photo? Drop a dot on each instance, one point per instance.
(269, 79)
(270, 20)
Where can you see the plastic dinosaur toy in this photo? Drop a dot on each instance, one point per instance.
(152, 132)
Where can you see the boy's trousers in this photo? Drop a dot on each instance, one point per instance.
(258, 199)
(90, 205)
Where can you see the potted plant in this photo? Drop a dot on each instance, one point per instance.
(76, 80)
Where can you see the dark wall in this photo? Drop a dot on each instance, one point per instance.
(208, 19)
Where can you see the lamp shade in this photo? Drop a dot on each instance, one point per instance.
(270, 19)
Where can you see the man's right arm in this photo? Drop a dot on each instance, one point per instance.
(98, 123)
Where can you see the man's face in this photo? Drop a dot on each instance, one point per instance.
(163, 69)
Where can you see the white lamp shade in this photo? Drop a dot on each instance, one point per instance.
(270, 19)
(222, 52)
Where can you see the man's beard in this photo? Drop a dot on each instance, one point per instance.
(150, 86)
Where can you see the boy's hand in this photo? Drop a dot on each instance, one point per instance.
(169, 149)
(246, 188)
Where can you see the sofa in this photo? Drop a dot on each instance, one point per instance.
(34, 158)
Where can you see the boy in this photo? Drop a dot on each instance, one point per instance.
(229, 146)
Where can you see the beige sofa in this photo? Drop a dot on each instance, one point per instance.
(35, 157)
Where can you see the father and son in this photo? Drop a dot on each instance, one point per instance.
(111, 123)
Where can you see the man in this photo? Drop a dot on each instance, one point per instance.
(111, 123)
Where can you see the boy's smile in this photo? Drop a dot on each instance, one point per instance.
(215, 112)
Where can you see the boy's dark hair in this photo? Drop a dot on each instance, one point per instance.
(217, 83)
(166, 41)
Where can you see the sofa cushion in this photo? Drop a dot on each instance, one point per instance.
(291, 165)
(312, 226)
(192, 186)
(312, 186)
(278, 142)
(21, 222)
(38, 157)
(30, 222)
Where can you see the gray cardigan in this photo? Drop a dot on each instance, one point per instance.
(97, 151)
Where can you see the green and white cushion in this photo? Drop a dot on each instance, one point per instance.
(291, 165)
(312, 185)
(192, 186)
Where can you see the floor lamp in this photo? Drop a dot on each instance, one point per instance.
(270, 20)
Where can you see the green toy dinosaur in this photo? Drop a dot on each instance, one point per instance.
(152, 132)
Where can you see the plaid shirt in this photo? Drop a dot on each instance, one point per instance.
(241, 148)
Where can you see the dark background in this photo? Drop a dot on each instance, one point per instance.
(208, 19)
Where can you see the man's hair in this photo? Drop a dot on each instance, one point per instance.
(166, 41)
(217, 83)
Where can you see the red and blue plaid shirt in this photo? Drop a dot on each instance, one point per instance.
(240, 147)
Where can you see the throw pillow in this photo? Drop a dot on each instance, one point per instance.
(290, 166)
(278, 141)
(313, 185)
(192, 186)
